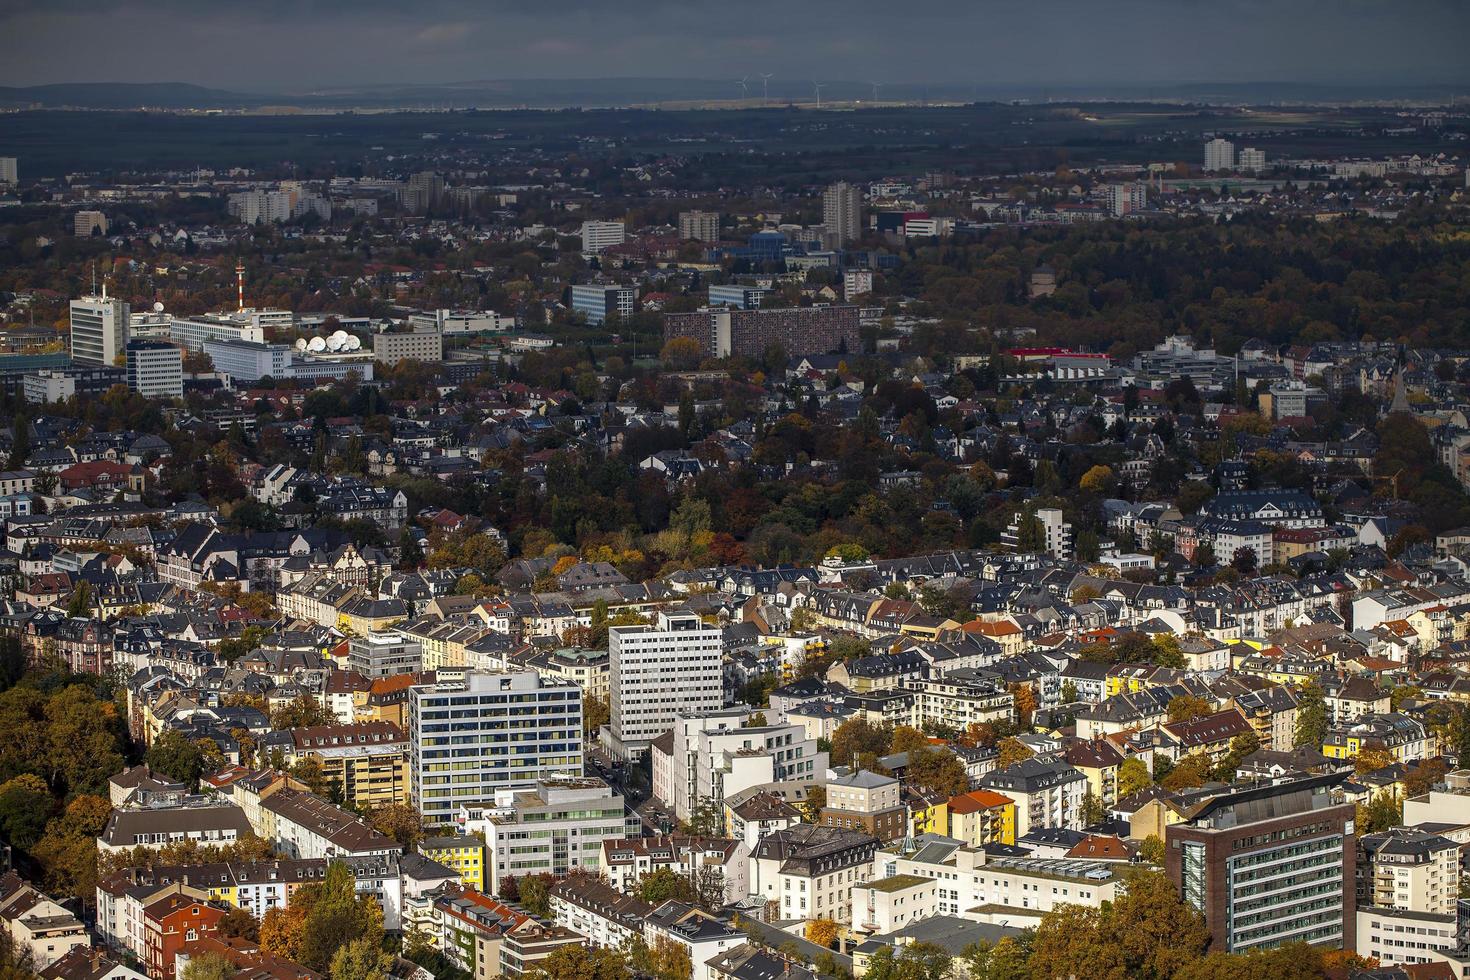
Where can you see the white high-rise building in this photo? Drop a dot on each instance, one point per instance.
(842, 213)
(1219, 154)
(657, 673)
(700, 226)
(263, 207)
(598, 235)
(470, 739)
(1252, 160)
(9, 171)
(99, 329)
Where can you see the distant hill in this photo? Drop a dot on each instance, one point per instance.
(127, 95)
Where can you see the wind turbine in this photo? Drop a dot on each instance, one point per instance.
(876, 87)
(817, 87)
(765, 88)
(743, 94)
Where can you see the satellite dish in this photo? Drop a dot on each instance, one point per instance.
(354, 343)
(317, 345)
(157, 307)
(301, 343)
(334, 343)
(340, 335)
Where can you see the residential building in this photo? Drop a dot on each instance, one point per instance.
(658, 672)
(472, 929)
(1124, 199)
(86, 224)
(366, 764)
(699, 226)
(36, 924)
(738, 296)
(155, 368)
(703, 935)
(600, 303)
(99, 330)
(1269, 864)
(598, 235)
(1047, 792)
(868, 802)
(1252, 160)
(1219, 155)
(210, 825)
(9, 171)
(842, 213)
(799, 330)
(1056, 532)
(461, 853)
(488, 732)
(982, 817)
(172, 922)
(810, 871)
(709, 755)
(384, 654)
(710, 863)
(606, 916)
(301, 825)
(529, 943)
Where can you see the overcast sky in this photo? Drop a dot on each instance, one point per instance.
(284, 45)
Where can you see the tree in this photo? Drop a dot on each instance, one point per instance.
(238, 923)
(209, 966)
(1012, 751)
(581, 962)
(823, 932)
(1024, 700)
(911, 961)
(1191, 771)
(858, 743)
(937, 770)
(1241, 746)
(1244, 560)
(1133, 777)
(403, 823)
(1372, 759)
(1068, 693)
(1311, 718)
(1098, 480)
(68, 849)
(535, 892)
(664, 960)
(80, 603)
(1093, 811)
(1147, 932)
(1424, 777)
(1030, 535)
(361, 959)
(907, 739)
(303, 711)
(663, 884)
(176, 756)
(1187, 707)
(595, 714)
(25, 806)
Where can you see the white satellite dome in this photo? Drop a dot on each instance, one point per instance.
(340, 335)
(354, 343)
(157, 307)
(317, 345)
(334, 343)
(301, 343)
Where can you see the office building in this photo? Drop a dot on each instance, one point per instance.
(99, 329)
(738, 296)
(59, 384)
(598, 235)
(842, 214)
(658, 672)
(699, 226)
(384, 655)
(750, 333)
(597, 303)
(248, 360)
(191, 332)
(1269, 865)
(490, 732)
(462, 321)
(9, 171)
(1252, 160)
(417, 345)
(555, 827)
(155, 368)
(1219, 155)
(85, 224)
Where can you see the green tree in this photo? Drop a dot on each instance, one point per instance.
(1379, 813)
(911, 961)
(361, 959)
(581, 962)
(1069, 693)
(858, 743)
(535, 892)
(176, 756)
(209, 966)
(25, 806)
(663, 884)
(1311, 718)
(1187, 707)
(1012, 751)
(335, 915)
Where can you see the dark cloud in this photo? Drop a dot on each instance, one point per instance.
(275, 45)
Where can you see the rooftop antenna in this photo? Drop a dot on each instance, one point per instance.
(240, 284)
(94, 278)
(765, 88)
